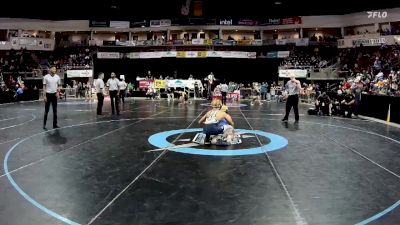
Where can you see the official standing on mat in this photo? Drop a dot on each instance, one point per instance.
(113, 89)
(293, 88)
(99, 86)
(122, 87)
(224, 92)
(51, 87)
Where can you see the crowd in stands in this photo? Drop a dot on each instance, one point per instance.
(388, 31)
(377, 68)
(381, 31)
(301, 58)
(73, 58)
(324, 38)
(27, 61)
(16, 90)
(17, 63)
(374, 70)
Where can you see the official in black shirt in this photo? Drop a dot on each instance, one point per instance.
(347, 105)
(322, 104)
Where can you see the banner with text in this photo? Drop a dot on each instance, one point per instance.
(108, 55)
(302, 41)
(177, 54)
(160, 23)
(144, 84)
(182, 83)
(357, 42)
(79, 73)
(298, 73)
(119, 24)
(160, 84)
(283, 54)
(282, 21)
(197, 41)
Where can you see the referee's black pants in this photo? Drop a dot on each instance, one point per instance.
(292, 101)
(51, 99)
(114, 101)
(223, 97)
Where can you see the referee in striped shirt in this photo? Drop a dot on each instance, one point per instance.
(293, 88)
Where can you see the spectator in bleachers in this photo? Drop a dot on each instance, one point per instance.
(357, 88)
(264, 89)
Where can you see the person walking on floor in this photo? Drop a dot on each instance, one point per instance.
(224, 92)
(99, 86)
(113, 89)
(293, 88)
(122, 87)
(51, 87)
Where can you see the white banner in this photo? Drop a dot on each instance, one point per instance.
(160, 23)
(134, 55)
(356, 42)
(252, 55)
(294, 72)
(213, 54)
(79, 73)
(182, 83)
(119, 24)
(283, 54)
(226, 54)
(169, 54)
(280, 41)
(302, 42)
(257, 42)
(150, 55)
(191, 54)
(165, 23)
(197, 41)
(28, 41)
(369, 42)
(32, 44)
(239, 55)
(125, 43)
(108, 55)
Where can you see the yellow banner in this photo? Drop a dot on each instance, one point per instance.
(180, 54)
(208, 41)
(159, 84)
(202, 54)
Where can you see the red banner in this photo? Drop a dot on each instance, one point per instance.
(235, 96)
(291, 20)
(144, 84)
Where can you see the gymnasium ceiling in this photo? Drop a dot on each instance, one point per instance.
(160, 9)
